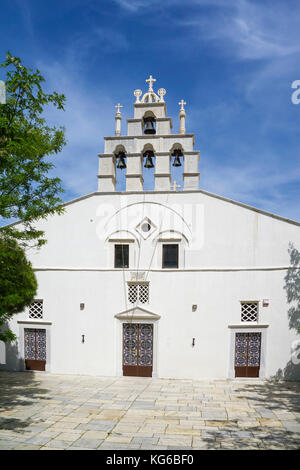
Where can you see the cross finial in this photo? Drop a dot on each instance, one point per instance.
(182, 103)
(150, 80)
(174, 186)
(118, 106)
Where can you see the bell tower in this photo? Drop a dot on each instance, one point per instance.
(150, 143)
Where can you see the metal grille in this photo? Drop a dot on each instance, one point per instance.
(130, 344)
(247, 349)
(144, 293)
(249, 312)
(146, 341)
(132, 293)
(30, 349)
(241, 345)
(137, 344)
(254, 349)
(138, 292)
(36, 309)
(35, 344)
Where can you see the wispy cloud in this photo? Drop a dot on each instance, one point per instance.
(256, 184)
(86, 124)
(133, 5)
(251, 30)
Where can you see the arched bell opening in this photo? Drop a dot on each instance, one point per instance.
(120, 167)
(148, 165)
(176, 153)
(177, 161)
(149, 123)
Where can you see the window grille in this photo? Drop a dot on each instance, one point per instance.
(249, 312)
(139, 292)
(36, 309)
(132, 293)
(144, 293)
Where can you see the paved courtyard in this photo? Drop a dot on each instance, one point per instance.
(47, 411)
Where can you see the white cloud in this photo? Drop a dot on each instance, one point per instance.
(132, 5)
(86, 121)
(256, 184)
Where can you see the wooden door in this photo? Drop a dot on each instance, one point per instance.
(35, 348)
(137, 349)
(247, 354)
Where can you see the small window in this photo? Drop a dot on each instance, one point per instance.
(121, 256)
(36, 309)
(170, 256)
(137, 291)
(249, 311)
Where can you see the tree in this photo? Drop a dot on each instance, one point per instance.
(27, 193)
(18, 284)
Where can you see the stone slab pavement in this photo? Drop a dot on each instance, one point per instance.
(45, 411)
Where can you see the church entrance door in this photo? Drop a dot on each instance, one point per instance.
(137, 349)
(247, 354)
(35, 348)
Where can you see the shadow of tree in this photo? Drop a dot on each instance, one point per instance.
(19, 390)
(292, 288)
(272, 395)
(256, 437)
(276, 406)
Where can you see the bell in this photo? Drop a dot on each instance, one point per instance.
(148, 162)
(177, 161)
(149, 128)
(121, 163)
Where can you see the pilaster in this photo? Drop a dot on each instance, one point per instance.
(191, 175)
(107, 173)
(162, 174)
(134, 173)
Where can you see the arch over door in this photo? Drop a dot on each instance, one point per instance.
(137, 349)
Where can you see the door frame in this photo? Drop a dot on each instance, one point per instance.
(140, 370)
(37, 326)
(119, 343)
(256, 328)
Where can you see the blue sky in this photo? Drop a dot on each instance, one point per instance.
(232, 61)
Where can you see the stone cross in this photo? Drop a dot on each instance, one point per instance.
(182, 103)
(118, 106)
(151, 80)
(174, 186)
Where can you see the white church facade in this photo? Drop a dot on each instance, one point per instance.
(162, 283)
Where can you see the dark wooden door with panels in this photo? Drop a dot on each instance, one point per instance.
(137, 349)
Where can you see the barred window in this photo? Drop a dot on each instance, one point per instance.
(36, 309)
(138, 291)
(249, 311)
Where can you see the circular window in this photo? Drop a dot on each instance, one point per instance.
(146, 227)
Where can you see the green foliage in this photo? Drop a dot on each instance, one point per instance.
(18, 284)
(26, 192)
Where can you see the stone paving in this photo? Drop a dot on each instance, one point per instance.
(47, 411)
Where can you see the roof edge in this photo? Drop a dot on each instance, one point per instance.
(201, 191)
